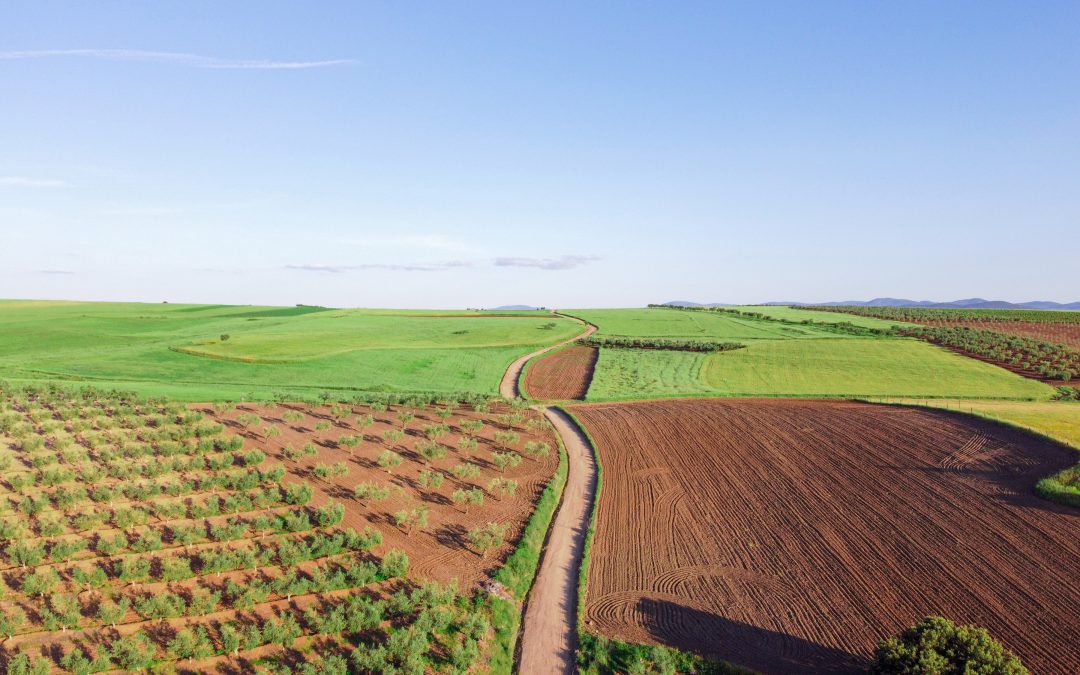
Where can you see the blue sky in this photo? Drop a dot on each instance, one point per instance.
(565, 154)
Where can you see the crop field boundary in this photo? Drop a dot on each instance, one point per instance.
(830, 397)
(510, 385)
(1052, 488)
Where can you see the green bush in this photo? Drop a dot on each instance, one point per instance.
(937, 646)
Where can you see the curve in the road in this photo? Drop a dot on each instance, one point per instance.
(508, 388)
(549, 632)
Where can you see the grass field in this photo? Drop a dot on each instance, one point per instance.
(688, 324)
(796, 314)
(178, 350)
(836, 367)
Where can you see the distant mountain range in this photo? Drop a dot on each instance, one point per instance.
(969, 303)
(507, 308)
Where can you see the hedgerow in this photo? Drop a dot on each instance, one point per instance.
(671, 344)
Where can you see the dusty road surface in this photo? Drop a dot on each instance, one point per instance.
(508, 388)
(789, 536)
(549, 637)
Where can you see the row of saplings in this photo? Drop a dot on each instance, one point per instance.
(933, 646)
(414, 630)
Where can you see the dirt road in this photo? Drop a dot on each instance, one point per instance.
(508, 388)
(549, 631)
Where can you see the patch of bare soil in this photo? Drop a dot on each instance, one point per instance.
(792, 536)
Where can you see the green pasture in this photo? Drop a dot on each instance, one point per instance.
(670, 323)
(797, 314)
(178, 350)
(838, 367)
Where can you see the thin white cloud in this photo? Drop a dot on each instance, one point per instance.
(565, 262)
(331, 269)
(418, 267)
(55, 272)
(175, 58)
(23, 181)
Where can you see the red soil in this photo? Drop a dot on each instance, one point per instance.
(792, 536)
(440, 552)
(562, 375)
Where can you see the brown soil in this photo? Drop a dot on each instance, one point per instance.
(562, 375)
(508, 388)
(791, 536)
(440, 552)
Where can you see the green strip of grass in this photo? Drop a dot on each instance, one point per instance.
(519, 571)
(821, 368)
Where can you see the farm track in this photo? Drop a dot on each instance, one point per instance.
(508, 388)
(549, 637)
(791, 536)
(563, 375)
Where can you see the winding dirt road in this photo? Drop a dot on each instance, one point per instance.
(508, 388)
(549, 631)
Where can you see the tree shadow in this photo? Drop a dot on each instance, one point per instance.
(760, 649)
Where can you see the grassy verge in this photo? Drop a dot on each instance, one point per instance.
(1057, 421)
(599, 655)
(519, 571)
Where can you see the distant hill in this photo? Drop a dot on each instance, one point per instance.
(969, 303)
(508, 308)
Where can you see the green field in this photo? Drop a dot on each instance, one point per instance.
(692, 324)
(834, 367)
(796, 314)
(178, 350)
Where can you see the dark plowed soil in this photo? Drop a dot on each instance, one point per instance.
(791, 536)
(562, 375)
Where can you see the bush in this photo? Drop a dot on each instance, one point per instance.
(937, 646)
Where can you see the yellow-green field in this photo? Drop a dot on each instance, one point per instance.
(209, 352)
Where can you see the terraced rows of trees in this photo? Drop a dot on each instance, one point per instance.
(137, 532)
(925, 314)
(1057, 327)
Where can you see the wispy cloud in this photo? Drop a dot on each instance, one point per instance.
(566, 262)
(23, 181)
(418, 267)
(331, 269)
(55, 272)
(175, 58)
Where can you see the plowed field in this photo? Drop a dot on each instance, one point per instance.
(791, 536)
(562, 375)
